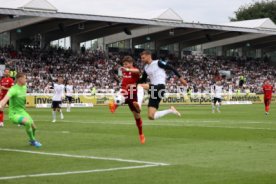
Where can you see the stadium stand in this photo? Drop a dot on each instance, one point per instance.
(95, 68)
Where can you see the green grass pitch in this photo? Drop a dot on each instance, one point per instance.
(92, 145)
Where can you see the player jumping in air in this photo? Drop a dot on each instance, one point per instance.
(5, 84)
(268, 90)
(131, 76)
(155, 70)
(17, 112)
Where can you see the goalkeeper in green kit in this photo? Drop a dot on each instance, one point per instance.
(17, 113)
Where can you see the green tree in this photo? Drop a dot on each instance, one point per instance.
(256, 10)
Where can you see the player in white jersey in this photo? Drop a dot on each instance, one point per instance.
(155, 70)
(57, 98)
(217, 91)
(69, 89)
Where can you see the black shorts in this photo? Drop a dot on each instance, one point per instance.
(56, 104)
(215, 100)
(129, 101)
(69, 99)
(156, 93)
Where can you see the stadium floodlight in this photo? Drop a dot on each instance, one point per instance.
(127, 31)
(171, 32)
(81, 26)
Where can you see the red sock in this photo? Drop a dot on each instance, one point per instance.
(139, 125)
(1, 116)
(267, 108)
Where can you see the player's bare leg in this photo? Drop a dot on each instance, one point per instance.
(137, 106)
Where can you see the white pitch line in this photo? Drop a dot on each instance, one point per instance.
(172, 125)
(85, 157)
(75, 172)
(246, 128)
(119, 123)
(180, 125)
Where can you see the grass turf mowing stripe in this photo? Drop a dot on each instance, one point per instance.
(75, 172)
(147, 164)
(85, 157)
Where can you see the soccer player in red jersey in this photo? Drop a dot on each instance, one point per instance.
(5, 84)
(131, 75)
(268, 90)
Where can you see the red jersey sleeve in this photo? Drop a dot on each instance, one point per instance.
(11, 82)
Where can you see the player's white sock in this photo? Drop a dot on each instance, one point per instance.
(61, 115)
(68, 107)
(140, 95)
(54, 115)
(218, 107)
(159, 114)
(213, 107)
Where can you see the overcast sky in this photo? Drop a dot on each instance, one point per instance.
(204, 11)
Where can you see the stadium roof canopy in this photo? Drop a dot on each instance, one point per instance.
(40, 16)
(264, 23)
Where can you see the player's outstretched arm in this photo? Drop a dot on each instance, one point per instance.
(183, 81)
(4, 102)
(166, 66)
(132, 70)
(3, 87)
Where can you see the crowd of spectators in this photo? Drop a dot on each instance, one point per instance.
(94, 68)
(202, 72)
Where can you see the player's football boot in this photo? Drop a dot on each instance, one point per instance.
(112, 107)
(142, 139)
(35, 144)
(1, 124)
(175, 111)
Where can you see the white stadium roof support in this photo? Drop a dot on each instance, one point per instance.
(39, 5)
(169, 15)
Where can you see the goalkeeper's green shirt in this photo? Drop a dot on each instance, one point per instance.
(17, 100)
